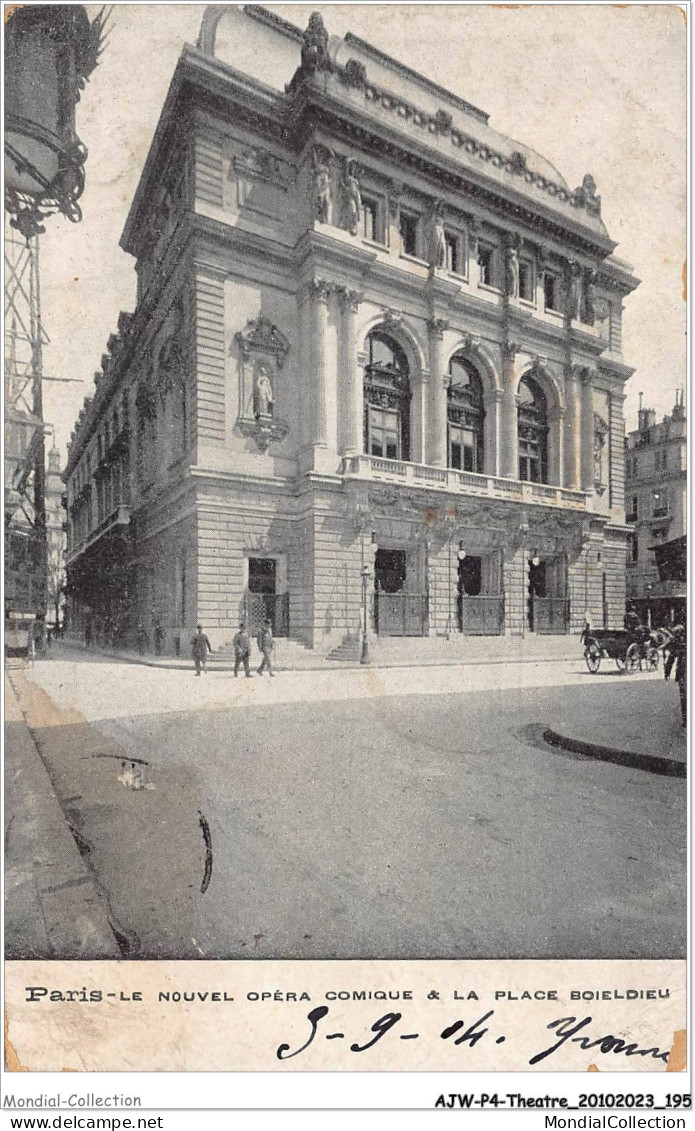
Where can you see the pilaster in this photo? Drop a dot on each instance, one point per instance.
(587, 431)
(350, 405)
(436, 430)
(573, 474)
(509, 435)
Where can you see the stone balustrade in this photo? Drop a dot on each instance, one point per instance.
(461, 482)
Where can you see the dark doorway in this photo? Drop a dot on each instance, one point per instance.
(537, 583)
(390, 570)
(262, 602)
(470, 576)
(262, 575)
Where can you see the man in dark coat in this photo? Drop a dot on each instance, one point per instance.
(200, 646)
(265, 645)
(242, 651)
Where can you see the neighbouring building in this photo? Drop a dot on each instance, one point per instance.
(375, 356)
(656, 509)
(56, 539)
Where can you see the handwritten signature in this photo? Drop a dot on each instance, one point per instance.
(564, 1029)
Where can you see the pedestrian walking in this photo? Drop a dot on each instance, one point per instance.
(678, 655)
(200, 646)
(242, 650)
(265, 645)
(672, 648)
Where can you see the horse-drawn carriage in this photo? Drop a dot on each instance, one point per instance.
(632, 650)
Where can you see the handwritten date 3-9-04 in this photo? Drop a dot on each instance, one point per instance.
(564, 1029)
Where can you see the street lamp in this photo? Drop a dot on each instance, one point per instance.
(649, 606)
(50, 52)
(366, 573)
(461, 555)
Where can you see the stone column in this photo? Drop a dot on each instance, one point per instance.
(437, 400)
(509, 424)
(587, 441)
(556, 421)
(573, 476)
(320, 292)
(351, 441)
(492, 402)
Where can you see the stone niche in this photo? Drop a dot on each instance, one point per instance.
(262, 350)
(262, 182)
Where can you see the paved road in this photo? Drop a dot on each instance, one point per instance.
(366, 814)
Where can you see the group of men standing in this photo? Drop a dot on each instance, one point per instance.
(201, 647)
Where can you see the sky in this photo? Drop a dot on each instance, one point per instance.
(594, 88)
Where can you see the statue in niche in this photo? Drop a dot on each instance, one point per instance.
(352, 200)
(572, 279)
(315, 45)
(322, 188)
(437, 256)
(263, 396)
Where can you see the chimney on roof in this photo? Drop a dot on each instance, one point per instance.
(646, 418)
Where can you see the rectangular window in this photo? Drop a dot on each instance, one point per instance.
(631, 516)
(462, 448)
(660, 507)
(371, 220)
(453, 253)
(633, 548)
(486, 259)
(551, 291)
(383, 438)
(408, 225)
(526, 283)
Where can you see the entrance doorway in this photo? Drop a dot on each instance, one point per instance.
(397, 610)
(480, 604)
(262, 600)
(547, 604)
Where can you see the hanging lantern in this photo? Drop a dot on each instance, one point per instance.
(50, 52)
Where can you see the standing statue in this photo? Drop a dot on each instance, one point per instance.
(511, 270)
(589, 312)
(322, 189)
(573, 274)
(352, 201)
(263, 396)
(315, 45)
(437, 256)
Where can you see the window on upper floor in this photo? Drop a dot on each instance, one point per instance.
(632, 549)
(631, 513)
(409, 225)
(455, 258)
(527, 281)
(386, 399)
(551, 292)
(660, 504)
(488, 264)
(465, 416)
(373, 218)
(532, 416)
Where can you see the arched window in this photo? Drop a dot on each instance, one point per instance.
(533, 432)
(386, 399)
(465, 416)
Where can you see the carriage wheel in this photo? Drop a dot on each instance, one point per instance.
(620, 663)
(651, 659)
(592, 655)
(632, 659)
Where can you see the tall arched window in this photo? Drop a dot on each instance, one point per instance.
(386, 399)
(533, 431)
(465, 416)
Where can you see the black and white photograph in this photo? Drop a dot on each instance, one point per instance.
(345, 478)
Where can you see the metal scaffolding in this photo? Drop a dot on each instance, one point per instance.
(24, 452)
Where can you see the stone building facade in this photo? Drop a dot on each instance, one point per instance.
(656, 509)
(375, 358)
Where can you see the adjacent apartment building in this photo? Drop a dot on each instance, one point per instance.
(656, 506)
(375, 364)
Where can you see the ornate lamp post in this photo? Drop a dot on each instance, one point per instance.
(461, 557)
(366, 574)
(50, 52)
(649, 605)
